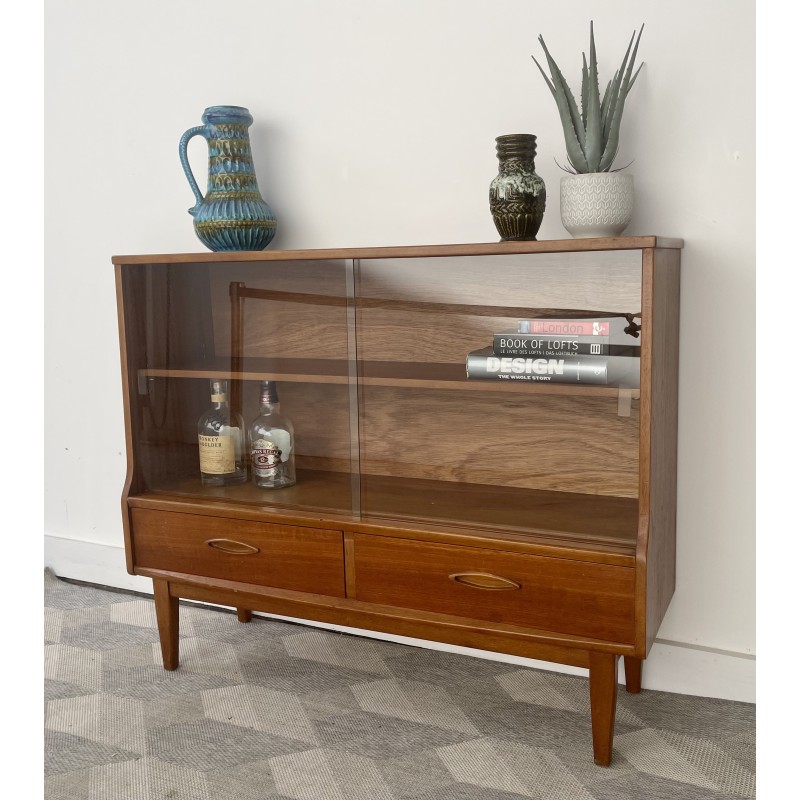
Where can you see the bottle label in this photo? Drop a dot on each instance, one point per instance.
(219, 398)
(265, 457)
(217, 455)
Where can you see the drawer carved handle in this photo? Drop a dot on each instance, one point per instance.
(485, 580)
(231, 546)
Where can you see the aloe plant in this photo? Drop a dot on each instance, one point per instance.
(592, 135)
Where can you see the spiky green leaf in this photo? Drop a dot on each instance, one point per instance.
(617, 90)
(612, 141)
(604, 104)
(612, 94)
(568, 111)
(594, 127)
(584, 88)
(562, 88)
(633, 79)
(615, 94)
(546, 79)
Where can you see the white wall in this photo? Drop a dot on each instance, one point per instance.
(375, 125)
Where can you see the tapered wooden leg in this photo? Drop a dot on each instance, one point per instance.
(244, 614)
(633, 674)
(603, 696)
(167, 616)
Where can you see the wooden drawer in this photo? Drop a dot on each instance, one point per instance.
(555, 594)
(282, 556)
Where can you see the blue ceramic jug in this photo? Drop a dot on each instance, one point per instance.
(232, 215)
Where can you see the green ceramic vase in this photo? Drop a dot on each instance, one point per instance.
(517, 195)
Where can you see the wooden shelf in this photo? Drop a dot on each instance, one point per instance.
(414, 251)
(594, 522)
(408, 375)
(599, 520)
(316, 491)
(298, 370)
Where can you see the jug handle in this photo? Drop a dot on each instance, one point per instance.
(197, 131)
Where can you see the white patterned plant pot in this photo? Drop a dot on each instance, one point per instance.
(596, 203)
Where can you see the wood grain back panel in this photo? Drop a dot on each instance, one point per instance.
(456, 323)
(569, 444)
(321, 418)
(167, 442)
(280, 329)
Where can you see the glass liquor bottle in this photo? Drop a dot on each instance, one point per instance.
(220, 434)
(270, 439)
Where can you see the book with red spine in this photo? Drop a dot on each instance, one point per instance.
(606, 326)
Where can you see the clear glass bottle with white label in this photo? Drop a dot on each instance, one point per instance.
(270, 439)
(220, 433)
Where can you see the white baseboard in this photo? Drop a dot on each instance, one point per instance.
(670, 667)
(92, 562)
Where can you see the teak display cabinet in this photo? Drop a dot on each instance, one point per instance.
(534, 519)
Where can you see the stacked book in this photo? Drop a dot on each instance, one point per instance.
(595, 351)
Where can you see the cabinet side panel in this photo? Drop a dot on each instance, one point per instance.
(127, 390)
(660, 551)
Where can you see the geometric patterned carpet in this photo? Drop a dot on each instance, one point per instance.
(275, 710)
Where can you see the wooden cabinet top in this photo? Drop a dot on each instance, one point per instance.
(415, 251)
